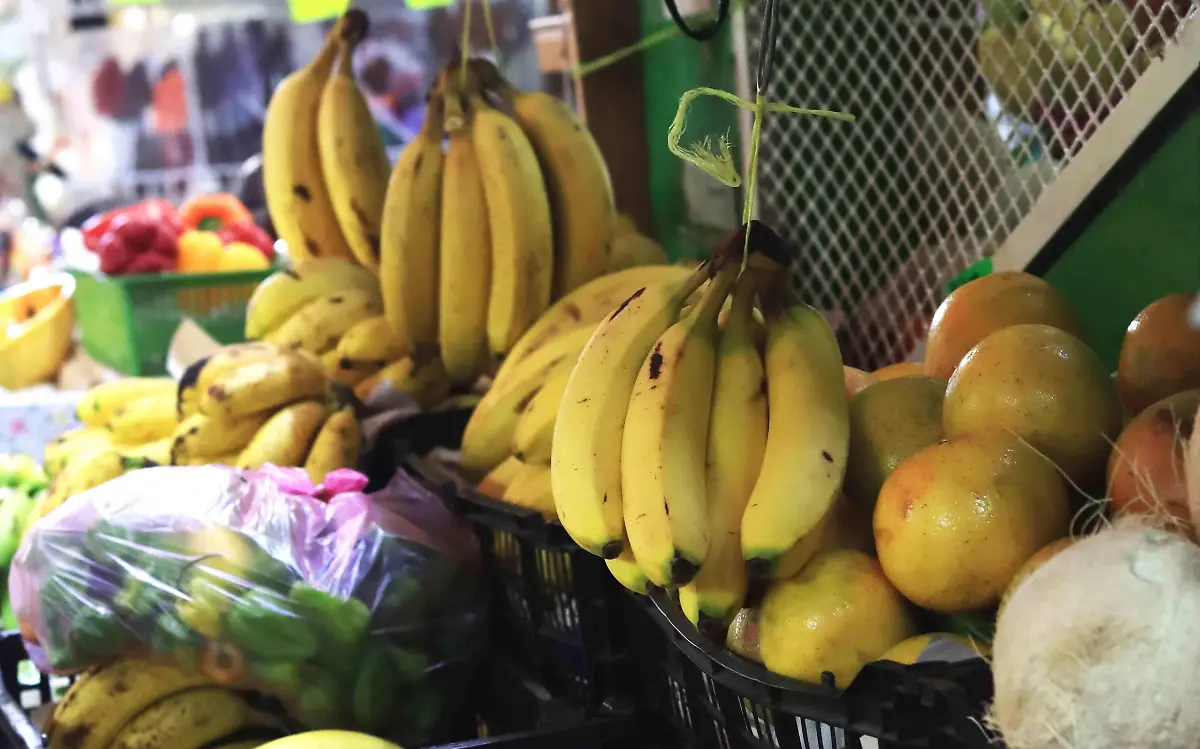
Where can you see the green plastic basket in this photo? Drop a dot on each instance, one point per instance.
(127, 321)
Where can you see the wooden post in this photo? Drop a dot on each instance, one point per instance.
(612, 99)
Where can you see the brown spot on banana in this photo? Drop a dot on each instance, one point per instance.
(626, 303)
(302, 192)
(656, 361)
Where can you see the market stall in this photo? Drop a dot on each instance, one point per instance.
(454, 419)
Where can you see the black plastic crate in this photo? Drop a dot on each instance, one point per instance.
(554, 606)
(507, 709)
(714, 699)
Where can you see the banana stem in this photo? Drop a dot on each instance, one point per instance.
(465, 44)
(491, 30)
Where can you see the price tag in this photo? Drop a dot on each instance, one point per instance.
(975, 270)
(309, 11)
(427, 4)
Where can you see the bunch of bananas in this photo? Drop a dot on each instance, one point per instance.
(134, 704)
(332, 309)
(693, 434)
(470, 245)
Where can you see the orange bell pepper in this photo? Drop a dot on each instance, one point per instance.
(213, 212)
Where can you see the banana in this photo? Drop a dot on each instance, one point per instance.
(262, 386)
(282, 294)
(59, 450)
(586, 457)
(285, 439)
(297, 197)
(465, 259)
(101, 403)
(533, 438)
(145, 419)
(349, 372)
(372, 341)
(633, 250)
(627, 572)
(737, 436)
(200, 375)
(494, 484)
(353, 158)
(623, 225)
(808, 436)
(577, 180)
(102, 701)
(157, 452)
(519, 217)
(189, 720)
(204, 437)
(589, 304)
(321, 323)
(337, 445)
(422, 378)
(664, 442)
(86, 469)
(408, 252)
(488, 437)
(530, 489)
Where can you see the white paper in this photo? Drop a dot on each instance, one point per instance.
(189, 344)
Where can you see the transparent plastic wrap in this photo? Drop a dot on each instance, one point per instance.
(355, 611)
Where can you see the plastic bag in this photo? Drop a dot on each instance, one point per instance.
(354, 612)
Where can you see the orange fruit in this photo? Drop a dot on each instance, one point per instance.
(856, 380)
(977, 309)
(837, 614)
(1040, 557)
(1160, 355)
(1046, 386)
(955, 521)
(903, 369)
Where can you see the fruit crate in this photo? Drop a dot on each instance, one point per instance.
(504, 711)
(554, 606)
(127, 322)
(713, 699)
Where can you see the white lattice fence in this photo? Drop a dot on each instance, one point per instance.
(965, 115)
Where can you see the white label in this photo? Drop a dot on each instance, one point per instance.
(689, 7)
(709, 203)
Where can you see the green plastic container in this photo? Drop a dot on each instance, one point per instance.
(127, 322)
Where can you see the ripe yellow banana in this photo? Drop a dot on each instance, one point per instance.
(286, 437)
(494, 484)
(337, 445)
(372, 341)
(145, 419)
(353, 158)
(488, 437)
(465, 271)
(101, 403)
(328, 740)
(265, 385)
(348, 372)
(519, 217)
(189, 720)
(533, 438)
(408, 254)
(297, 197)
(808, 436)
(586, 459)
(59, 450)
(530, 489)
(627, 572)
(157, 452)
(102, 701)
(282, 294)
(577, 180)
(422, 378)
(737, 436)
(633, 250)
(203, 437)
(84, 470)
(321, 323)
(664, 443)
(201, 374)
(589, 304)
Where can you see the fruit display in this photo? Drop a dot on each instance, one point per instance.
(206, 234)
(36, 321)
(245, 583)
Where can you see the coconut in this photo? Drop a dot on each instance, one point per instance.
(1097, 648)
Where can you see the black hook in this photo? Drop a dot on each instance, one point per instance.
(704, 33)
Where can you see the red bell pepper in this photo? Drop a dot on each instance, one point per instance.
(250, 233)
(156, 209)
